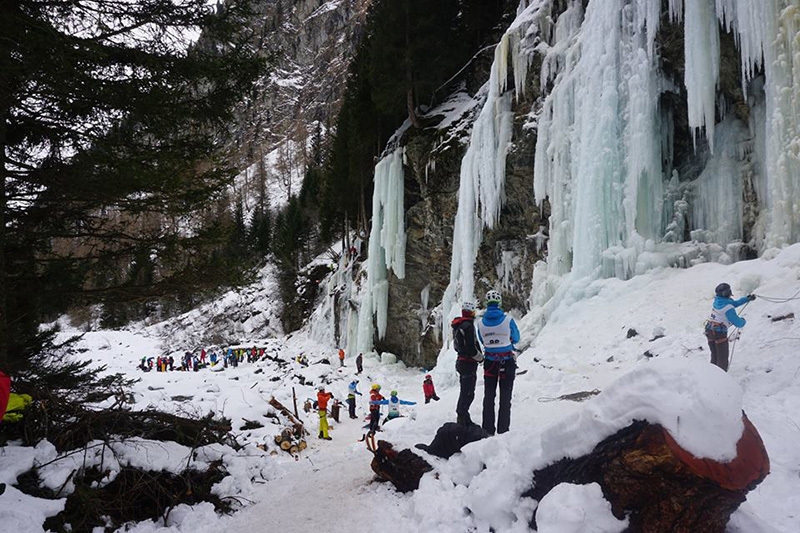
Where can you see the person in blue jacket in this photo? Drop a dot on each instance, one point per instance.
(394, 404)
(498, 333)
(352, 391)
(723, 316)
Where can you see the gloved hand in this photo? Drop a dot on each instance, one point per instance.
(751, 297)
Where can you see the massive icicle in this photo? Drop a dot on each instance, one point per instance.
(598, 153)
(482, 180)
(387, 249)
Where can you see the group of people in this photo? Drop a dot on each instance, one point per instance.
(376, 400)
(491, 342)
(359, 361)
(194, 361)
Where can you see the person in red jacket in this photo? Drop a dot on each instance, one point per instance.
(375, 398)
(428, 389)
(322, 404)
(5, 391)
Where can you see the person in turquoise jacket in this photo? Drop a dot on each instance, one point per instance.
(723, 316)
(498, 333)
(394, 404)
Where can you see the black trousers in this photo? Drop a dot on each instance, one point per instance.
(351, 406)
(467, 378)
(374, 419)
(718, 344)
(498, 373)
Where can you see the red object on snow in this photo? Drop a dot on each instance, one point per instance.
(5, 390)
(750, 466)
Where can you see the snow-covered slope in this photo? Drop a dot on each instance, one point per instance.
(585, 346)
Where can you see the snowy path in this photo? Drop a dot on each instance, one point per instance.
(331, 485)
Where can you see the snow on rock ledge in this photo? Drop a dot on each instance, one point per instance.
(697, 403)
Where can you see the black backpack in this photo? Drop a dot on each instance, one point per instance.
(464, 340)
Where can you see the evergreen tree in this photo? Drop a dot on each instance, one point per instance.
(111, 129)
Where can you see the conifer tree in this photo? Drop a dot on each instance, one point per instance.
(112, 121)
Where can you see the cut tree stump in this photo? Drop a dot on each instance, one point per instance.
(647, 476)
(404, 469)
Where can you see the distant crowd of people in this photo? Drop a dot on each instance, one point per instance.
(195, 361)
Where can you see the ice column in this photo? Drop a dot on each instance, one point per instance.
(387, 246)
(598, 153)
(782, 67)
(701, 29)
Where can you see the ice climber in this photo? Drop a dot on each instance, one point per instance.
(394, 404)
(352, 392)
(375, 398)
(498, 333)
(723, 315)
(322, 404)
(465, 342)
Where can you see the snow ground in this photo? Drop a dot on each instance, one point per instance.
(584, 347)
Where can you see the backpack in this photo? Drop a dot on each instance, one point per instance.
(464, 341)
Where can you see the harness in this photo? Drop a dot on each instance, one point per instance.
(499, 356)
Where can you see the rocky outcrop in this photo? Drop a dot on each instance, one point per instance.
(308, 45)
(507, 252)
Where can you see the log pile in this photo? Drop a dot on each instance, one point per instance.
(290, 442)
(290, 439)
(648, 477)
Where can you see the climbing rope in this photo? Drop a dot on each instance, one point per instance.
(777, 299)
(734, 336)
(573, 397)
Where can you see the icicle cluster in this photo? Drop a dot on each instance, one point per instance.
(387, 249)
(482, 179)
(604, 145)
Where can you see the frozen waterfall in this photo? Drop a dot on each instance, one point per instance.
(387, 250)
(604, 152)
(481, 191)
(601, 160)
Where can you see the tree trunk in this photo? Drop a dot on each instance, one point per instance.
(6, 29)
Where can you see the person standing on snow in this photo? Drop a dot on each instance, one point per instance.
(352, 391)
(498, 333)
(465, 342)
(394, 404)
(322, 404)
(428, 389)
(723, 315)
(375, 398)
(359, 362)
(341, 357)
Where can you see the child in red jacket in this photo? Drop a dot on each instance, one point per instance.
(428, 389)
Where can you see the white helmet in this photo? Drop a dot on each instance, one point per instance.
(468, 306)
(494, 296)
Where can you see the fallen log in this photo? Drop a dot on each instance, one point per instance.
(647, 476)
(298, 425)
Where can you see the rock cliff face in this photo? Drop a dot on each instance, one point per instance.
(309, 45)
(507, 252)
